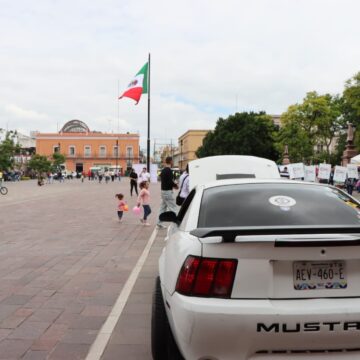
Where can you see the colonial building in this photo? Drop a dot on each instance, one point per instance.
(189, 142)
(84, 149)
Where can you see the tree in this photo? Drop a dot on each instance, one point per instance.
(292, 134)
(316, 121)
(58, 159)
(241, 134)
(40, 164)
(329, 122)
(8, 149)
(351, 104)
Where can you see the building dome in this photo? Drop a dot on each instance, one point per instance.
(75, 126)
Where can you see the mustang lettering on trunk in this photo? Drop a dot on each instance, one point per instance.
(309, 326)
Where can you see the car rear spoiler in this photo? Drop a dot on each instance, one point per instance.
(230, 234)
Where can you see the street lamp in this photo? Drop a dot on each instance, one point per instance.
(129, 163)
(181, 145)
(117, 154)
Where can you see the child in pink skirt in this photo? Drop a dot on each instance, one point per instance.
(122, 206)
(144, 199)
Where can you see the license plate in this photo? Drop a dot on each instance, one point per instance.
(319, 275)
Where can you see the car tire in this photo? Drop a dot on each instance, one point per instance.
(163, 345)
(3, 190)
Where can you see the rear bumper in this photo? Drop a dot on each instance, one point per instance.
(265, 329)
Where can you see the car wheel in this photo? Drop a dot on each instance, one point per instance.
(3, 190)
(163, 345)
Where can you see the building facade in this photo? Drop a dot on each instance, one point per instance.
(84, 149)
(189, 142)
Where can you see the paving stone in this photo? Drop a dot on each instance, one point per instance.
(12, 322)
(6, 310)
(26, 312)
(60, 279)
(128, 352)
(16, 300)
(79, 336)
(88, 322)
(14, 348)
(29, 330)
(131, 336)
(45, 315)
(69, 351)
(96, 310)
(35, 355)
(67, 318)
(139, 308)
(134, 321)
(50, 338)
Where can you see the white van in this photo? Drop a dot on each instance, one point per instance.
(231, 167)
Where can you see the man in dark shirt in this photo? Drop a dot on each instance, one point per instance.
(167, 186)
(133, 182)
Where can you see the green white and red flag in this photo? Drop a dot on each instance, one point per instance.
(138, 85)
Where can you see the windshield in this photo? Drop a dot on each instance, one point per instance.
(276, 205)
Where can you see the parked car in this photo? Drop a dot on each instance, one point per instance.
(259, 269)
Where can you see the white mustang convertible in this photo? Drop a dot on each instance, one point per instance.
(259, 269)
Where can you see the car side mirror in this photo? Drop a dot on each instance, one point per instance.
(168, 216)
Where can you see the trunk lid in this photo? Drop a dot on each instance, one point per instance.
(290, 266)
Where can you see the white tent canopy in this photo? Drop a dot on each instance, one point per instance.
(355, 160)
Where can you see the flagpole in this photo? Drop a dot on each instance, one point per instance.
(148, 132)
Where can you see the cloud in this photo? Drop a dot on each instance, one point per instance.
(63, 60)
(23, 114)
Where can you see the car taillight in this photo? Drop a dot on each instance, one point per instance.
(206, 277)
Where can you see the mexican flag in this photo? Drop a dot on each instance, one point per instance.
(138, 85)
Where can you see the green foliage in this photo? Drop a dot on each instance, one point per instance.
(40, 164)
(340, 147)
(351, 96)
(351, 105)
(58, 159)
(316, 121)
(241, 134)
(8, 149)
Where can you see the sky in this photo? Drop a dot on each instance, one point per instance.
(71, 59)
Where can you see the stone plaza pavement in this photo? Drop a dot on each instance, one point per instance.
(64, 259)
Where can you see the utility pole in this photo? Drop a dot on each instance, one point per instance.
(117, 154)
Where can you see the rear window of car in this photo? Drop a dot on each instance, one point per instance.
(276, 205)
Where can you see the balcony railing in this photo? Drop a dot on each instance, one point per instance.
(96, 155)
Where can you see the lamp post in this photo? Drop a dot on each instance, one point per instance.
(117, 155)
(181, 145)
(59, 148)
(128, 156)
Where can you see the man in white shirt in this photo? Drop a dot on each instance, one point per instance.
(144, 176)
(184, 183)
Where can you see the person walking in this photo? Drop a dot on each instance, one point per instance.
(133, 182)
(100, 175)
(144, 176)
(349, 184)
(60, 176)
(144, 199)
(121, 206)
(107, 176)
(184, 186)
(167, 186)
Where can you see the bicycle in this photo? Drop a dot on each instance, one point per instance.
(3, 190)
